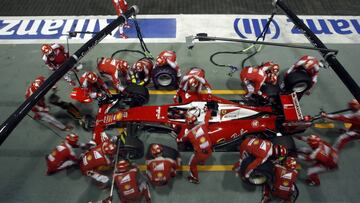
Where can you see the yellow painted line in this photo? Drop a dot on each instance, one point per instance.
(324, 125)
(173, 92)
(347, 125)
(200, 168)
(329, 125)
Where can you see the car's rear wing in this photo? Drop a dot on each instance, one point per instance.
(291, 107)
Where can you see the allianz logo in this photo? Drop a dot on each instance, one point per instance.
(252, 27)
(48, 28)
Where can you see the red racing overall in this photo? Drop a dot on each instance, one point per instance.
(160, 170)
(129, 188)
(61, 157)
(284, 184)
(200, 140)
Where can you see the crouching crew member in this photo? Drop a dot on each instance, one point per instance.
(159, 169)
(127, 182)
(261, 150)
(98, 159)
(283, 187)
(62, 156)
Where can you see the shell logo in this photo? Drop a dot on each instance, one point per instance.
(89, 157)
(223, 112)
(54, 153)
(202, 139)
(286, 183)
(256, 142)
(119, 116)
(127, 187)
(159, 175)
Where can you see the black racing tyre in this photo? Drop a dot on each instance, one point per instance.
(271, 90)
(168, 152)
(261, 175)
(164, 77)
(298, 81)
(185, 147)
(133, 148)
(286, 141)
(138, 95)
(88, 122)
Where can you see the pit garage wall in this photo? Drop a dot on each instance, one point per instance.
(174, 28)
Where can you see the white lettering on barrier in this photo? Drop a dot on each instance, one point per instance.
(29, 28)
(330, 29)
(8, 26)
(51, 27)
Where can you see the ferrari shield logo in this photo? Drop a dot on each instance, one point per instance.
(89, 157)
(127, 187)
(159, 175)
(202, 140)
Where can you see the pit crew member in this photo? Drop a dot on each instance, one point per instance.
(194, 81)
(140, 72)
(159, 169)
(272, 72)
(312, 67)
(255, 77)
(127, 182)
(121, 7)
(62, 156)
(41, 110)
(98, 159)
(111, 68)
(197, 135)
(353, 133)
(261, 150)
(168, 58)
(94, 84)
(283, 186)
(54, 55)
(324, 156)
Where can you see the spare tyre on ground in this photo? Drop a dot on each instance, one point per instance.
(164, 77)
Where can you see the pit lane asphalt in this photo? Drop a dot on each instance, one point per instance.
(22, 154)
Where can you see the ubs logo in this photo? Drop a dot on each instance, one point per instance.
(252, 27)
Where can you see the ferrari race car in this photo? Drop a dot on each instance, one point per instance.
(230, 121)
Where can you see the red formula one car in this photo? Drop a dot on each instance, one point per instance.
(229, 123)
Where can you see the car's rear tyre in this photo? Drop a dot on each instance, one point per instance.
(133, 148)
(168, 152)
(164, 77)
(271, 90)
(261, 175)
(298, 81)
(138, 95)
